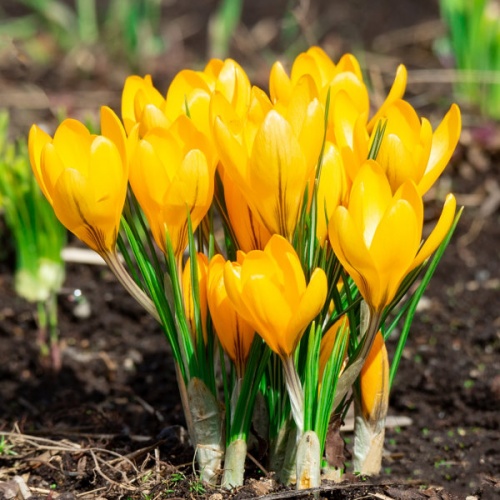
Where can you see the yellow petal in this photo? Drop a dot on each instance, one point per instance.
(133, 85)
(370, 196)
(72, 141)
(288, 268)
(305, 64)
(325, 65)
(189, 136)
(213, 68)
(233, 83)
(397, 90)
(268, 289)
(328, 342)
(270, 312)
(249, 231)
(108, 175)
(311, 303)
(148, 175)
(312, 133)
(439, 232)
(350, 84)
(348, 62)
(197, 106)
(303, 105)
(231, 152)
(408, 191)
(181, 87)
(234, 333)
(70, 217)
(422, 154)
(349, 247)
(75, 208)
(444, 141)
(332, 188)
(397, 161)
(280, 86)
(37, 140)
(374, 381)
(343, 116)
(112, 128)
(234, 285)
(393, 249)
(191, 191)
(277, 175)
(151, 119)
(402, 119)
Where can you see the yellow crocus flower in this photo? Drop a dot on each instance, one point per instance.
(330, 79)
(268, 289)
(327, 76)
(378, 236)
(84, 177)
(190, 91)
(172, 176)
(188, 94)
(273, 160)
(234, 333)
(411, 150)
(187, 293)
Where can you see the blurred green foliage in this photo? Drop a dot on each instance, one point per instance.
(37, 235)
(130, 29)
(474, 43)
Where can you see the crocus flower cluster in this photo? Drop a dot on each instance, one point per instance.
(288, 225)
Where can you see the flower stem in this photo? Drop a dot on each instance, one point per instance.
(295, 392)
(129, 284)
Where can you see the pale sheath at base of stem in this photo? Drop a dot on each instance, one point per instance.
(208, 425)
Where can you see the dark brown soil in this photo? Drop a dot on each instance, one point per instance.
(109, 425)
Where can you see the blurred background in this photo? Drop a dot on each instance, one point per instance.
(68, 57)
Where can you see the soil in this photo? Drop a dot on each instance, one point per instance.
(110, 423)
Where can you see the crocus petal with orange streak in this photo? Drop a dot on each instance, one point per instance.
(234, 333)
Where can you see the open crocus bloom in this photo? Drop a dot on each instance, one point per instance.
(190, 91)
(234, 333)
(378, 236)
(331, 79)
(272, 161)
(188, 94)
(268, 289)
(410, 149)
(327, 76)
(172, 176)
(84, 177)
